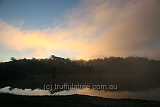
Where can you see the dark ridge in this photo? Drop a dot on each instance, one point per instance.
(8, 100)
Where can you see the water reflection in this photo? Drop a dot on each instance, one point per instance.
(17, 91)
(153, 94)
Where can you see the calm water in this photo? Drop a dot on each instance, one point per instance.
(153, 94)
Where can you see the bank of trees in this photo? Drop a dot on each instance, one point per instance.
(129, 72)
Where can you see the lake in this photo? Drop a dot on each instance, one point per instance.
(152, 94)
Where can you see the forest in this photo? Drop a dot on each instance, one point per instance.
(130, 73)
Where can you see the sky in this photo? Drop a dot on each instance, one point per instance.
(79, 29)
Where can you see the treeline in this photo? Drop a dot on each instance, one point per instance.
(129, 72)
(54, 63)
(111, 66)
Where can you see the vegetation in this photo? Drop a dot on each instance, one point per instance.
(130, 73)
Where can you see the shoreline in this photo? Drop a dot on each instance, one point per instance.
(8, 100)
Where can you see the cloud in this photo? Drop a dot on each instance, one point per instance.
(95, 28)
